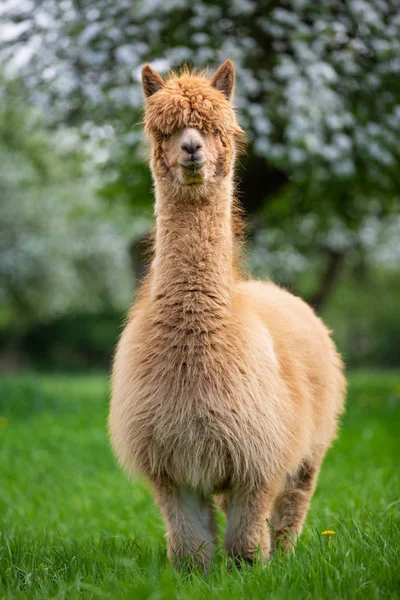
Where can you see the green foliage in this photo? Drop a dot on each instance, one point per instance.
(318, 93)
(31, 155)
(73, 342)
(125, 176)
(363, 313)
(55, 237)
(74, 527)
(318, 86)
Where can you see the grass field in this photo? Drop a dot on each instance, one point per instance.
(72, 526)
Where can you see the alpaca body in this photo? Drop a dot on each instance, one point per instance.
(192, 414)
(221, 385)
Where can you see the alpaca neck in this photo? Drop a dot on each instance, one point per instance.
(192, 271)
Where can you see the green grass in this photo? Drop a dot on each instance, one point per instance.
(72, 526)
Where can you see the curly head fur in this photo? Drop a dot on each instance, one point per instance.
(191, 105)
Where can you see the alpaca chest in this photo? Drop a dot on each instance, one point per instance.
(198, 414)
(203, 437)
(193, 448)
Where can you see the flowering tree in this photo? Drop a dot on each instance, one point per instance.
(59, 251)
(318, 93)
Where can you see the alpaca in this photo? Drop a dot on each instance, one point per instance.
(224, 390)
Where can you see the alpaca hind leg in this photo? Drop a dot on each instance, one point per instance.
(191, 525)
(292, 505)
(247, 535)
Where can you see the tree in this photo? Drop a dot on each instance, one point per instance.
(318, 93)
(60, 251)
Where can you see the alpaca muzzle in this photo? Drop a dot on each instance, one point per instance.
(193, 157)
(193, 165)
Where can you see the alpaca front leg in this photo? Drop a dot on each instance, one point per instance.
(191, 524)
(248, 534)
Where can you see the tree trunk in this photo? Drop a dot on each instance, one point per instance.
(328, 280)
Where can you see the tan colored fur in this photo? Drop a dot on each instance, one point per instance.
(221, 386)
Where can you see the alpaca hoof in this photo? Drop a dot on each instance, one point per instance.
(199, 560)
(250, 558)
(285, 542)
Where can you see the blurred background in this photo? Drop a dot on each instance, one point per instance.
(318, 92)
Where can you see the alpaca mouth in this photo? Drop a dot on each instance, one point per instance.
(192, 167)
(192, 172)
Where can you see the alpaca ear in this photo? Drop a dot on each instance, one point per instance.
(151, 81)
(224, 79)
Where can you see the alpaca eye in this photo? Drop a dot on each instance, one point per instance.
(165, 136)
(216, 132)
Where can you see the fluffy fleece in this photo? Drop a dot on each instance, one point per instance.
(224, 388)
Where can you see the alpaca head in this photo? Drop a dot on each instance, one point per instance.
(192, 125)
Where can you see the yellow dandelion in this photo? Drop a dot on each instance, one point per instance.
(328, 532)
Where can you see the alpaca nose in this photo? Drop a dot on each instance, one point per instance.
(191, 146)
(191, 143)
